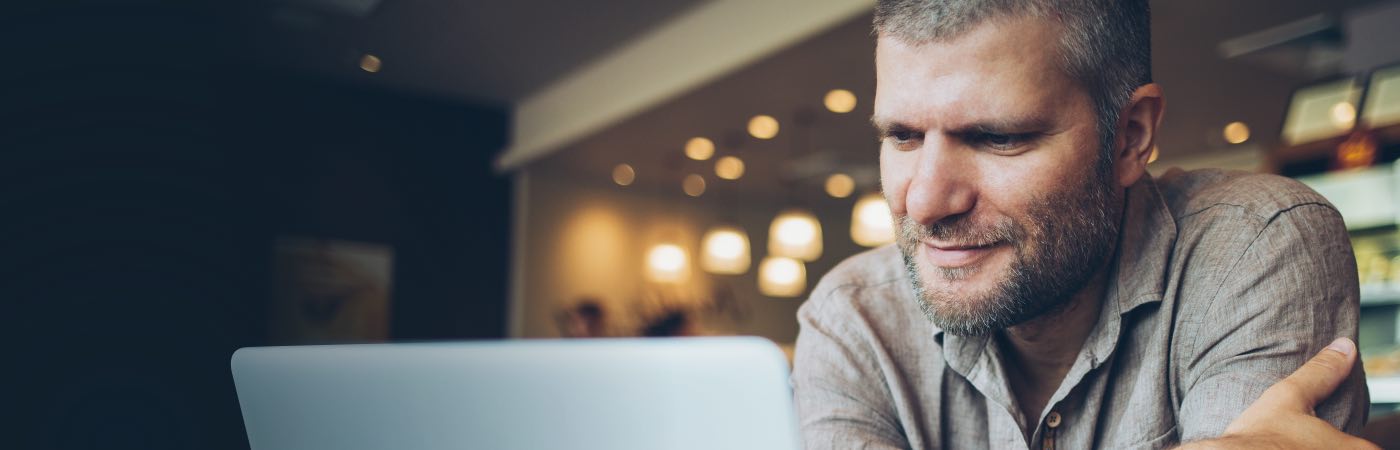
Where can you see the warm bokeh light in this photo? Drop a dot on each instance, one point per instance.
(726, 251)
(623, 175)
(795, 234)
(1343, 115)
(1357, 151)
(782, 277)
(694, 185)
(840, 101)
(871, 223)
(763, 126)
(667, 263)
(1236, 132)
(370, 63)
(1152, 157)
(840, 185)
(729, 168)
(699, 148)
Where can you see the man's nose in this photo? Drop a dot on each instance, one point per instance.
(943, 183)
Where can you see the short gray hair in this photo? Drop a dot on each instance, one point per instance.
(1106, 45)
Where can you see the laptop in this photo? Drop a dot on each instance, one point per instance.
(617, 394)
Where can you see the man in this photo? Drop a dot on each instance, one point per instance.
(1045, 291)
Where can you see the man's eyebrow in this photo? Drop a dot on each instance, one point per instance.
(996, 125)
(1004, 125)
(884, 127)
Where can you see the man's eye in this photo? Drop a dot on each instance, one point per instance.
(903, 139)
(1001, 142)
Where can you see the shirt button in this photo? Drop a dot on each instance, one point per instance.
(1052, 419)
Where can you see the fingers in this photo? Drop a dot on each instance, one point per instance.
(1316, 380)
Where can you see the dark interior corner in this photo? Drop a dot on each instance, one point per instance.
(147, 167)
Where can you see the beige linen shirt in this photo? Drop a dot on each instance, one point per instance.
(1224, 283)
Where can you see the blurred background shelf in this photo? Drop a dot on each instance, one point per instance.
(1380, 295)
(1384, 389)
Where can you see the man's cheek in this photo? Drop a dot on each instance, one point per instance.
(894, 186)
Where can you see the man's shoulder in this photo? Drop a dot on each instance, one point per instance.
(1248, 227)
(1254, 194)
(865, 284)
(867, 300)
(875, 267)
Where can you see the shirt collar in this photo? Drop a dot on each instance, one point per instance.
(1145, 248)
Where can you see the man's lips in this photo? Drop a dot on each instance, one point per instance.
(951, 256)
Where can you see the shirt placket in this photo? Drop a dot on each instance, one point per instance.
(1004, 432)
(1052, 430)
(1003, 419)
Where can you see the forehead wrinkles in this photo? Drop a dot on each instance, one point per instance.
(932, 101)
(984, 74)
(913, 91)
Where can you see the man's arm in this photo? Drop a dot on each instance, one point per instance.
(1283, 417)
(842, 400)
(1292, 291)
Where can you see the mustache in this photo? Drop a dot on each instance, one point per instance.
(960, 229)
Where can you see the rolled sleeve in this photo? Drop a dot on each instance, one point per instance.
(1290, 293)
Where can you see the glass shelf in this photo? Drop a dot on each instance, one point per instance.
(1384, 389)
(1379, 296)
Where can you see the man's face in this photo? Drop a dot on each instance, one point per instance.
(991, 165)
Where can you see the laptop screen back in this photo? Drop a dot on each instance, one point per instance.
(688, 393)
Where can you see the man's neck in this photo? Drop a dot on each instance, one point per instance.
(1039, 353)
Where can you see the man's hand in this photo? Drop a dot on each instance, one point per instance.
(1283, 417)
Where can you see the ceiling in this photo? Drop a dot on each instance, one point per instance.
(503, 52)
(788, 86)
(496, 51)
(1204, 92)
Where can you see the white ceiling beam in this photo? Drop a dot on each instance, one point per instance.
(699, 46)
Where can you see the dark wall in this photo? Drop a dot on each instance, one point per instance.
(145, 170)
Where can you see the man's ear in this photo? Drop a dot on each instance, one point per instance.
(1137, 133)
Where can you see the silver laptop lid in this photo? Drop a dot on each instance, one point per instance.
(620, 394)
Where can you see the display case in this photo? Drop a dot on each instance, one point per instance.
(1342, 138)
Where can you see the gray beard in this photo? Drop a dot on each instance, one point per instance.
(1070, 237)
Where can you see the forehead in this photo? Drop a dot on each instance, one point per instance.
(1000, 67)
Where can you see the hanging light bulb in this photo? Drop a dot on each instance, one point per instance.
(796, 234)
(763, 126)
(693, 185)
(1343, 115)
(871, 224)
(840, 101)
(729, 167)
(782, 277)
(699, 148)
(1236, 132)
(624, 175)
(840, 185)
(668, 263)
(726, 251)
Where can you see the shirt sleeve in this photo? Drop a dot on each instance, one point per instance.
(842, 399)
(1290, 293)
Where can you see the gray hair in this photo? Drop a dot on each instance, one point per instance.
(1106, 45)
